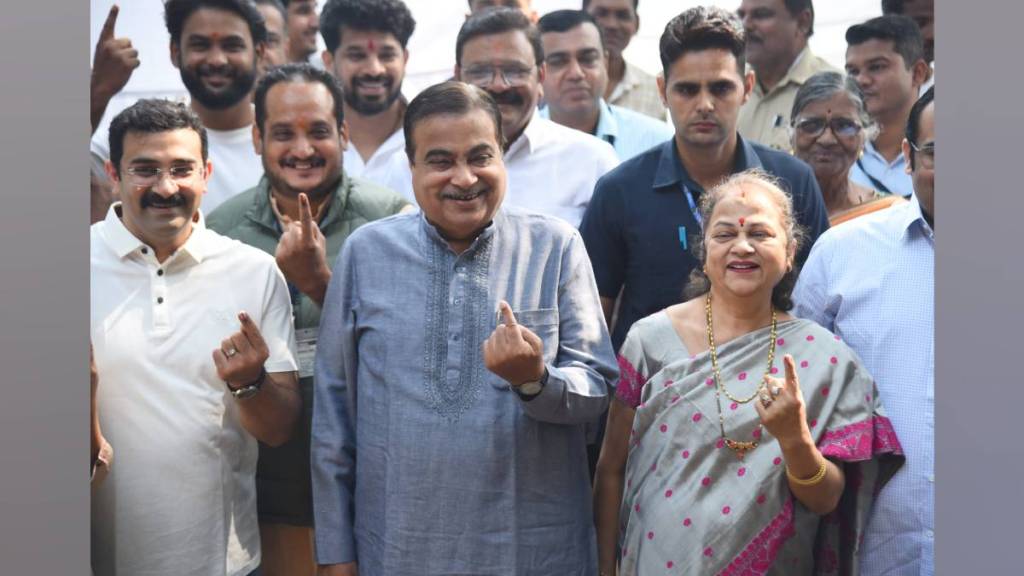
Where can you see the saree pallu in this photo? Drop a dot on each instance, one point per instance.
(691, 506)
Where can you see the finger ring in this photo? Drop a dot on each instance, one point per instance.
(230, 352)
(766, 401)
(776, 390)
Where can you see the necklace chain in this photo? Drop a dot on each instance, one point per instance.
(737, 446)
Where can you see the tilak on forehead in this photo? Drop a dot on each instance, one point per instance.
(370, 45)
(742, 220)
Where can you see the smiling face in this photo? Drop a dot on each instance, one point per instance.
(748, 250)
(703, 92)
(618, 21)
(516, 89)
(303, 24)
(216, 58)
(300, 144)
(829, 153)
(274, 52)
(371, 67)
(458, 174)
(160, 213)
(576, 77)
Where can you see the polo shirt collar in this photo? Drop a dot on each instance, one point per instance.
(670, 170)
(262, 213)
(607, 125)
(124, 243)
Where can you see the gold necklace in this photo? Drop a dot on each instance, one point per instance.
(737, 446)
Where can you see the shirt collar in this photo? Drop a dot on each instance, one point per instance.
(913, 218)
(873, 153)
(607, 125)
(534, 136)
(124, 243)
(484, 237)
(262, 213)
(670, 170)
(799, 71)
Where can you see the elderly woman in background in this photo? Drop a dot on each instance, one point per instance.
(830, 127)
(718, 458)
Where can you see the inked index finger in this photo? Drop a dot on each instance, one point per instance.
(306, 216)
(506, 314)
(251, 331)
(107, 32)
(791, 380)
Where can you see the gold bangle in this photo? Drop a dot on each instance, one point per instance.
(813, 480)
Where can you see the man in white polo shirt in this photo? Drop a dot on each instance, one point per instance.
(192, 335)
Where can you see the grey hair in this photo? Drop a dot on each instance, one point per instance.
(782, 294)
(823, 86)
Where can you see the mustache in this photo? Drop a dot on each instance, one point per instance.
(509, 97)
(152, 199)
(477, 189)
(315, 162)
(224, 70)
(383, 79)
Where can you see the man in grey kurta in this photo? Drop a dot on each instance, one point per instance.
(424, 460)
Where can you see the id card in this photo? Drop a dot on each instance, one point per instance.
(305, 345)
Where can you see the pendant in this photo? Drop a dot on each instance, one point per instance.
(740, 448)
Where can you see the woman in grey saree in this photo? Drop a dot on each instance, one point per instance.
(705, 488)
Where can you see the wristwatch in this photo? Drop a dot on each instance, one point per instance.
(530, 390)
(249, 390)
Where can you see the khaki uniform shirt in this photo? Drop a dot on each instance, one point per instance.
(765, 117)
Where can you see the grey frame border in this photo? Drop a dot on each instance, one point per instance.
(44, 302)
(44, 501)
(979, 287)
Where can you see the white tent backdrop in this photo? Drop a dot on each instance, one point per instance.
(432, 46)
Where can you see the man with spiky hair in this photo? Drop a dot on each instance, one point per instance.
(366, 51)
(217, 46)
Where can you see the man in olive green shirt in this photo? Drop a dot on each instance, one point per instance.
(301, 211)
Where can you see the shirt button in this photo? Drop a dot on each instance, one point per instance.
(457, 301)
(160, 300)
(929, 534)
(931, 477)
(160, 272)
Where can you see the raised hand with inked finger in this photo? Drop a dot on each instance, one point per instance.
(513, 352)
(302, 253)
(816, 481)
(241, 356)
(781, 407)
(112, 67)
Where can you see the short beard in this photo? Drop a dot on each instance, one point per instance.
(371, 108)
(238, 90)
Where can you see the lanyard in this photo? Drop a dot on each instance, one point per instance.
(696, 216)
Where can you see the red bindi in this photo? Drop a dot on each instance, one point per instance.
(370, 45)
(742, 220)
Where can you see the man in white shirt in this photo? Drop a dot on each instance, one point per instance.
(366, 51)
(193, 335)
(552, 169)
(217, 46)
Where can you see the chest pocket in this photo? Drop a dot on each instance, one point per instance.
(544, 323)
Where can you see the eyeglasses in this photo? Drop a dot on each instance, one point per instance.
(485, 75)
(926, 154)
(146, 176)
(841, 127)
